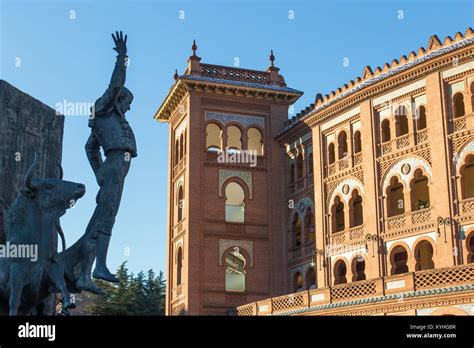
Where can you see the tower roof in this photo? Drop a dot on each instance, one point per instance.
(228, 80)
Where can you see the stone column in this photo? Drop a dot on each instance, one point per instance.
(441, 194)
(319, 202)
(371, 180)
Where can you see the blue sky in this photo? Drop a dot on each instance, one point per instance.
(66, 58)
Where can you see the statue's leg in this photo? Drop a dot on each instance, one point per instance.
(113, 174)
(15, 284)
(56, 277)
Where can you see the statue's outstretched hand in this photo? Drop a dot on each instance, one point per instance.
(120, 43)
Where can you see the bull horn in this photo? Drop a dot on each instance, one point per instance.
(29, 174)
(61, 172)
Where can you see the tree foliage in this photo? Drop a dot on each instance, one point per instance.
(141, 294)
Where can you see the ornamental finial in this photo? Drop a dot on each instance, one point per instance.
(272, 58)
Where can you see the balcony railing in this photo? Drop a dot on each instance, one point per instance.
(462, 123)
(177, 293)
(422, 136)
(407, 220)
(338, 166)
(357, 159)
(179, 167)
(467, 206)
(378, 287)
(350, 235)
(403, 142)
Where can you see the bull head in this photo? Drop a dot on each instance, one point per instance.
(52, 195)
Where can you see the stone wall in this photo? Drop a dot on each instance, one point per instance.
(26, 126)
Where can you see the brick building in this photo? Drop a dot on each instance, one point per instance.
(361, 204)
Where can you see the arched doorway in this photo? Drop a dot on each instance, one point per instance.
(399, 259)
(340, 271)
(424, 256)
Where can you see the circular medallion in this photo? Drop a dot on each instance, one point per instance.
(406, 168)
(345, 189)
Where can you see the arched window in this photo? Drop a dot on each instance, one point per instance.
(299, 166)
(296, 230)
(340, 271)
(338, 215)
(297, 282)
(420, 194)
(424, 256)
(234, 138)
(213, 137)
(421, 117)
(234, 204)
(470, 247)
(181, 149)
(342, 145)
(399, 258)
(357, 142)
(331, 154)
(310, 279)
(255, 141)
(357, 215)
(395, 198)
(401, 121)
(472, 96)
(385, 130)
(176, 152)
(185, 141)
(180, 203)
(235, 271)
(309, 225)
(310, 163)
(467, 177)
(179, 268)
(358, 269)
(292, 173)
(458, 105)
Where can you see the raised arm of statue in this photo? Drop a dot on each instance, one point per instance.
(106, 102)
(118, 76)
(93, 153)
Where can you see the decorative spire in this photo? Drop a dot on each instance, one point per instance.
(272, 59)
(194, 47)
(175, 76)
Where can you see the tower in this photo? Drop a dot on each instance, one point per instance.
(226, 186)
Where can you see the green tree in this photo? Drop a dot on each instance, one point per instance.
(133, 295)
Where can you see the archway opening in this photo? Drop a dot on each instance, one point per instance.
(399, 259)
(467, 177)
(340, 271)
(458, 105)
(385, 130)
(401, 121)
(420, 194)
(338, 215)
(424, 256)
(358, 269)
(310, 279)
(342, 145)
(296, 229)
(395, 198)
(357, 214)
(234, 204)
(298, 282)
